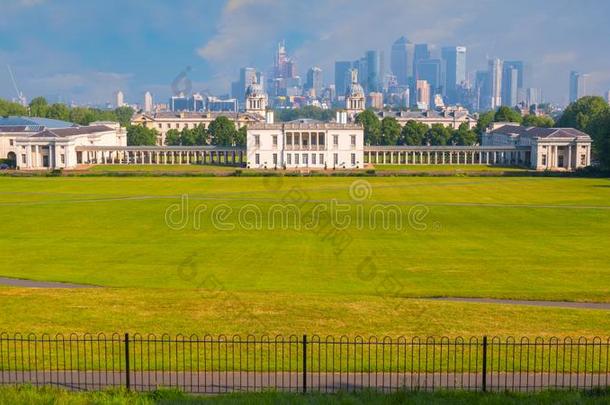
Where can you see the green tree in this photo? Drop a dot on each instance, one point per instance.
(123, 115)
(240, 139)
(172, 138)
(438, 134)
(507, 114)
(583, 113)
(600, 132)
(39, 107)
(201, 135)
(485, 119)
(464, 136)
(372, 127)
(222, 131)
(138, 135)
(541, 121)
(9, 108)
(413, 133)
(82, 116)
(58, 112)
(390, 131)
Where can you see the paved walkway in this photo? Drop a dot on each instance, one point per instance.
(17, 282)
(555, 304)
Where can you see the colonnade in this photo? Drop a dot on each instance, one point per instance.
(159, 156)
(446, 156)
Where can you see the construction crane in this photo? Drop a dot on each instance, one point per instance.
(20, 97)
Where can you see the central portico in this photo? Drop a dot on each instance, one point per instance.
(305, 143)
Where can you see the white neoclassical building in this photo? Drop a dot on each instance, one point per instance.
(38, 143)
(305, 143)
(553, 149)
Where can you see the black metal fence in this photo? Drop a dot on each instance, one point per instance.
(302, 363)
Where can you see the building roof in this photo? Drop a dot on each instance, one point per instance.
(541, 133)
(173, 115)
(64, 132)
(34, 121)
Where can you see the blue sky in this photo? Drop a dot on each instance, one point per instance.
(87, 49)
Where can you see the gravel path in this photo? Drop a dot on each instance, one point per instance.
(556, 304)
(17, 282)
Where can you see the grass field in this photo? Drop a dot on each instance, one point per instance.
(211, 268)
(39, 396)
(186, 168)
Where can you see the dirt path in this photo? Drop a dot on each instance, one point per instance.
(555, 304)
(17, 282)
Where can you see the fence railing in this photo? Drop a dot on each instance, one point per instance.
(215, 364)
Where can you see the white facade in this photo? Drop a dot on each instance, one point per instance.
(304, 143)
(42, 148)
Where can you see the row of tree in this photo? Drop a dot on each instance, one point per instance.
(39, 107)
(220, 132)
(389, 132)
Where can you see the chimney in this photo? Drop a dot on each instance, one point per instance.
(269, 117)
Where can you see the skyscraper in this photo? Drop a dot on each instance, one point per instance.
(533, 96)
(401, 60)
(578, 85)
(454, 71)
(374, 66)
(148, 102)
(510, 85)
(342, 76)
(120, 99)
(420, 52)
(247, 76)
(430, 71)
(423, 94)
(314, 80)
(495, 84)
(481, 90)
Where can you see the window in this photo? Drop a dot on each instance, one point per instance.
(353, 159)
(305, 159)
(257, 159)
(305, 140)
(335, 141)
(353, 140)
(169, 125)
(23, 158)
(296, 159)
(313, 158)
(257, 141)
(177, 125)
(160, 126)
(275, 159)
(11, 142)
(543, 160)
(288, 139)
(321, 138)
(186, 125)
(321, 158)
(62, 158)
(297, 140)
(274, 139)
(583, 160)
(289, 159)
(335, 159)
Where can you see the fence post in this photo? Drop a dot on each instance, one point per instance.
(127, 380)
(304, 364)
(484, 383)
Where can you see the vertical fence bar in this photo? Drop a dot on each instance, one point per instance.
(127, 380)
(304, 364)
(484, 382)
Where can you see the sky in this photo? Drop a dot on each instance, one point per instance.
(86, 50)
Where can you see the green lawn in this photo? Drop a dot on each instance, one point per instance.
(219, 271)
(40, 396)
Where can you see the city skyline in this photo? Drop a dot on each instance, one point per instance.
(76, 63)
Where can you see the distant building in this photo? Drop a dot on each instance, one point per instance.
(342, 76)
(375, 100)
(314, 81)
(454, 63)
(120, 99)
(195, 102)
(354, 96)
(533, 96)
(430, 71)
(510, 85)
(420, 52)
(578, 85)
(217, 104)
(552, 149)
(148, 102)
(495, 84)
(448, 118)
(401, 60)
(40, 143)
(422, 88)
(374, 69)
